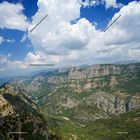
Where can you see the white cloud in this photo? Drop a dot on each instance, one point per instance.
(127, 27)
(56, 36)
(112, 3)
(1, 40)
(58, 41)
(86, 3)
(107, 3)
(82, 42)
(12, 16)
(10, 40)
(18, 67)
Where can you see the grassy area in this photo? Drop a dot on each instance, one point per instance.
(123, 127)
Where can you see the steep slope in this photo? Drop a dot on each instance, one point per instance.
(19, 118)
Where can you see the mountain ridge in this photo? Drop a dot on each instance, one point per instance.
(73, 100)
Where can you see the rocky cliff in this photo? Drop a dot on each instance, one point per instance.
(86, 93)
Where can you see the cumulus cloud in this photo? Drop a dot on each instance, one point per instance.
(12, 16)
(59, 18)
(56, 36)
(107, 3)
(81, 42)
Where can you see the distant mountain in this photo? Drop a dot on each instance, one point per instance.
(128, 62)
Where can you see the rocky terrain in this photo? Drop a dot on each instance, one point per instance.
(87, 93)
(19, 117)
(76, 99)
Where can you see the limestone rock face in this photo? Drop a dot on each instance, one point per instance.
(97, 76)
(86, 93)
(134, 103)
(69, 103)
(114, 104)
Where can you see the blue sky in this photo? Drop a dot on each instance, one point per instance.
(18, 50)
(80, 40)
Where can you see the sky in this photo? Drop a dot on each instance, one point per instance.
(72, 34)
